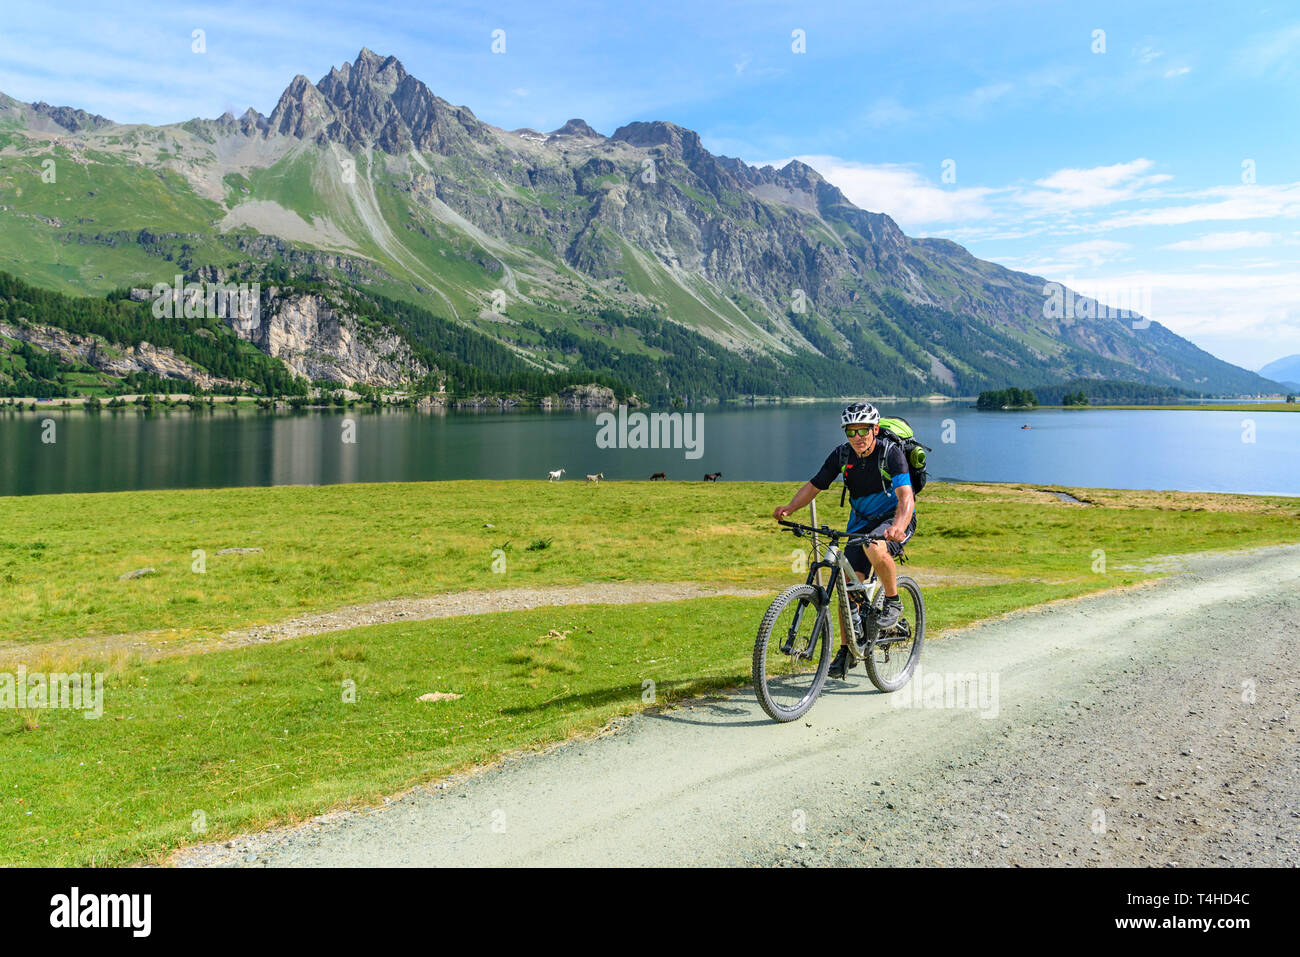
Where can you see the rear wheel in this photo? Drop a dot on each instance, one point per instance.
(791, 655)
(893, 655)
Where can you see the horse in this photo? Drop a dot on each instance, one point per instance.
(555, 476)
(713, 476)
(657, 476)
(595, 479)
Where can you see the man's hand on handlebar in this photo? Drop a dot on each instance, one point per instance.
(801, 498)
(896, 533)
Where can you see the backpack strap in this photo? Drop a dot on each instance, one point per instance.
(844, 479)
(884, 455)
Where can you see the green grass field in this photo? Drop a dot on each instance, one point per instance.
(262, 734)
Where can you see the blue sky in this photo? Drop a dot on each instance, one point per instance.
(1165, 168)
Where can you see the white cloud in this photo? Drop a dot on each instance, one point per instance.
(1232, 202)
(1074, 189)
(1177, 71)
(1252, 306)
(1218, 242)
(903, 193)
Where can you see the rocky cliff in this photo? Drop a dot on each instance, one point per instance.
(115, 360)
(317, 339)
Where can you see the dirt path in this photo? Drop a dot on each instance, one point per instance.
(157, 644)
(163, 644)
(1147, 727)
(478, 603)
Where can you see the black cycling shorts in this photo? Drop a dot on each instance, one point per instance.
(857, 555)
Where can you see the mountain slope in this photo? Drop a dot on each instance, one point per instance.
(369, 179)
(1285, 370)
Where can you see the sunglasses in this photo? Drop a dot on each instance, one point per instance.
(851, 433)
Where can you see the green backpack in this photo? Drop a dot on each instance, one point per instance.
(898, 431)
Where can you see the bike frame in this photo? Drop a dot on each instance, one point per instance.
(843, 580)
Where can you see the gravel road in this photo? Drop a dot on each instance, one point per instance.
(1152, 727)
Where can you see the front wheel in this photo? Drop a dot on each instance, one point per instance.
(892, 657)
(791, 654)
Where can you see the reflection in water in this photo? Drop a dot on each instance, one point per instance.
(131, 449)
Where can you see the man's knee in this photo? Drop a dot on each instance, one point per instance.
(879, 555)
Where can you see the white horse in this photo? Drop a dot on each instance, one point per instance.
(555, 476)
(595, 479)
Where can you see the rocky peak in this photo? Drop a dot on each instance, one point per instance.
(674, 138)
(800, 175)
(74, 121)
(248, 123)
(374, 101)
(370, 74)
(577, 127)
(302, 111)
(718, 174)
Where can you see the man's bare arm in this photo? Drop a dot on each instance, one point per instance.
(801, 498)
(902, 514)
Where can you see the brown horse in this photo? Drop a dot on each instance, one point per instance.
(657, 476)
(713, 476)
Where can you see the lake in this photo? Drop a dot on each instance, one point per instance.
(1256, 453)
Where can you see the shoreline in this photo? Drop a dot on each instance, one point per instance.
(1054, 489)
(437, 403)
(1263, 405)
(426, 403)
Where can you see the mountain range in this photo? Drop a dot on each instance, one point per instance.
(1285, 370)
(639, 255)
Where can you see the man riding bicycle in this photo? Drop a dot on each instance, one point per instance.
(882, 505)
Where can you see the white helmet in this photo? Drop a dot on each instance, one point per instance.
(859, 413)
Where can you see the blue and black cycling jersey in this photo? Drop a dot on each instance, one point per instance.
(872, 498)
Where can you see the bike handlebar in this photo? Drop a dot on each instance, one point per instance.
(834, 534)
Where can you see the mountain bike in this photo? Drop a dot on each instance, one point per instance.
(795, 642)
